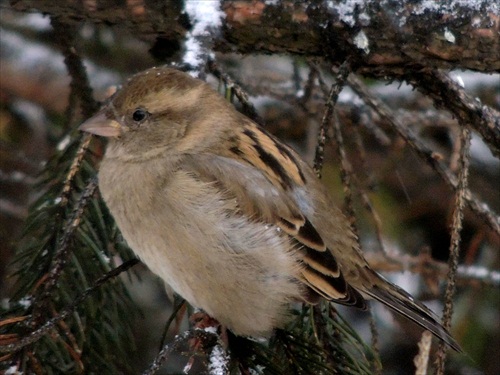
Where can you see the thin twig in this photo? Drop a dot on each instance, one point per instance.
(209, 339)
(241, 94)
(425, 153)
(172, 317)
(455, 243)
(345, 173)
(61, 254)
(331, 100)
(40, 332)
(424, 264)
(309, 85)
(64, 34)
(80, 88)
(421, 360)
(449, 94)
(346, 176)
(384, 140)
(303, 101)
(74, 350)
(74, 168)
(367, 203)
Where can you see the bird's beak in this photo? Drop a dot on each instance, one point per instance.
(100, 124)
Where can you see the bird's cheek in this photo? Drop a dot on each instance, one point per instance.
(129, 128)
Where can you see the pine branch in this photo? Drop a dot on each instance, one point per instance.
(66, 243)
(49, 325)
(455, 243)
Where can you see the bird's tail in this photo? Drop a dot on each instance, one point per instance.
(403, 303)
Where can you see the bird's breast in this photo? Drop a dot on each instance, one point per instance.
(191, 234)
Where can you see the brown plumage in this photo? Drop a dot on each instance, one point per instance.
(228, 216)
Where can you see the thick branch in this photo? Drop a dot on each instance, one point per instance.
(387, 37)
(154, 19)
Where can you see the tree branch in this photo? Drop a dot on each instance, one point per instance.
(387, 37)
(448, 94)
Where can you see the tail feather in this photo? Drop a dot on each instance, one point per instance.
(403, 303)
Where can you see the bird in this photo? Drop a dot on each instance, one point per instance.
(228, 216)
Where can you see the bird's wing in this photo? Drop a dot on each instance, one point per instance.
(271, 183)
(262, 173)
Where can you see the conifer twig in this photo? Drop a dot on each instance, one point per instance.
(64, 33)
(61, 254)
(345, 173)
(309, 85)
(80, 88)
(455, 242)
(331, 100)
(44, 329)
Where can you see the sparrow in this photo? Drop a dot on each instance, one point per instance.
(231, 218)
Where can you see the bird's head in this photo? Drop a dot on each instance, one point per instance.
(160, 109)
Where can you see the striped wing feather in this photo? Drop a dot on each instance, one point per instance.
(261, 173)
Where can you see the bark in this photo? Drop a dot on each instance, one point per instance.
(384, 38)
(156, 18)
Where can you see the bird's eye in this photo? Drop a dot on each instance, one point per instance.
(139, 115)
